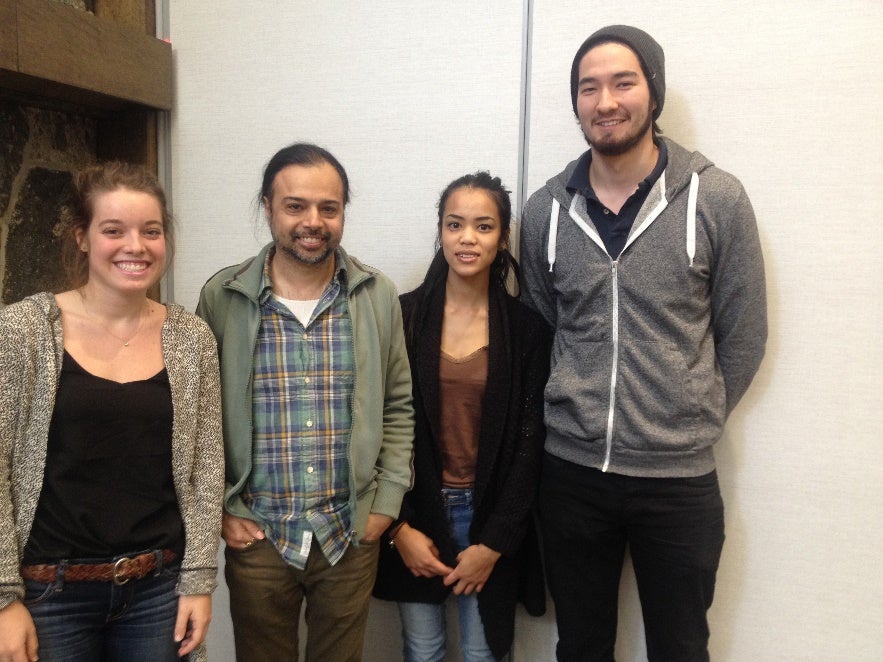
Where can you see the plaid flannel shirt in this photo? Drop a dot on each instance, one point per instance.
(302, 404)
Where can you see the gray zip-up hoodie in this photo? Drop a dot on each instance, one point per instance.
(654, 349)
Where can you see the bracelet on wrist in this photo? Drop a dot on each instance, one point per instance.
(392, 534)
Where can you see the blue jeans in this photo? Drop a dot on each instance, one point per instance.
(674, 531)
(424, 626)
(90, 621)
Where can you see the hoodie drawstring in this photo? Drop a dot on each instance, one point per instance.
(691, 217)
(692, 196)
(553, 233)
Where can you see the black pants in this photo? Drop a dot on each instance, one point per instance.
(674, 529)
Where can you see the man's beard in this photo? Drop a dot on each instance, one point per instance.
(622, 146)
(309, 258)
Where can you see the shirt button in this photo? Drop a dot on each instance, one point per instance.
(306, 380)
(606, 211)
(309, 424)
(304, 336)
(309, 470)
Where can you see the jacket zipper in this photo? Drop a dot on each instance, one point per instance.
(589, 230)
(351, 481)
(614, 368)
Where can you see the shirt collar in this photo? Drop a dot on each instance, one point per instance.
(266, 290)
(579, 180)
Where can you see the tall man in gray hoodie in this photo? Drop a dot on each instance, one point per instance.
(645, 259)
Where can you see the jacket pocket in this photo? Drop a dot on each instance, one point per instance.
(656, 406)
(578, 391)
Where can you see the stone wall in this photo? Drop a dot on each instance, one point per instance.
(40, 149)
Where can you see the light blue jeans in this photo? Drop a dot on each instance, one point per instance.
(424, 626)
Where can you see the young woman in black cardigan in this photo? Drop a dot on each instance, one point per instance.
(479, 362)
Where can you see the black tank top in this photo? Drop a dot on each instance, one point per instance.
(107, 486)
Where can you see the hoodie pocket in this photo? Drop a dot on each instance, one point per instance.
(578, 391)
(656, 403)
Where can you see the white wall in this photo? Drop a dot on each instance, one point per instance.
(407, 96)
(785, 95)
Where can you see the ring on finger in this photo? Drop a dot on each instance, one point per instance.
(248, 544)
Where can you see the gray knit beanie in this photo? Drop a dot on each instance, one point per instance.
(645, 47)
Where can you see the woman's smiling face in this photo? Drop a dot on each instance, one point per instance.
(470, 233)
(125, 241)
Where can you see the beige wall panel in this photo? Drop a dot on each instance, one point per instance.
(407, 100)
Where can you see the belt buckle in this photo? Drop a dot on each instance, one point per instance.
(118, 566)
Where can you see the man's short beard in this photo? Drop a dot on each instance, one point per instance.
(620, 148)
(615, 149)
(291, 249)
(303, 259)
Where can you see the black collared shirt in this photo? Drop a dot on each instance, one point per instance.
(614, 228)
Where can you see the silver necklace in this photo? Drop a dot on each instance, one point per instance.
(108, 331)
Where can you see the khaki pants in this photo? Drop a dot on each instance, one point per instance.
(266, 595)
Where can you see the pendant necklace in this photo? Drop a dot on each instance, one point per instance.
(108, 331)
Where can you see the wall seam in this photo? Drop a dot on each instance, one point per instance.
(164, 147)
(524, 111)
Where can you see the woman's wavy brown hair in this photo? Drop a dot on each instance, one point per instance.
(76, 216)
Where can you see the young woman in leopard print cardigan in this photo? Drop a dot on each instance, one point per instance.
(111, 458)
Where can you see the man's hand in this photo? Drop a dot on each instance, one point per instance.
(18, 636)
(375, 527)
(194, 615)
(239, 532)
(474, 565)
(419, 553)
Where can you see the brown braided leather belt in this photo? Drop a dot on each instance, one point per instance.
(119, 572)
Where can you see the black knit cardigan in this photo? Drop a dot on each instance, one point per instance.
(510, 445)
